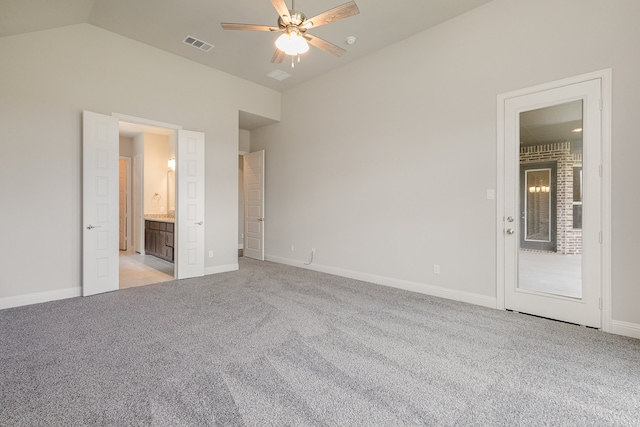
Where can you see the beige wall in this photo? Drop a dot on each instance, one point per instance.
(400, 146)
(47, 78)
(156, 156)
(126, 146)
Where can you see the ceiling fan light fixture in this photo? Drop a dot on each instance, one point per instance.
(292, 44)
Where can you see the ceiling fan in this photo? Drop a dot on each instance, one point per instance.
(294, 25)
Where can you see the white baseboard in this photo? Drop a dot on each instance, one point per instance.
(221, 269)
(422, 288)
(39, 297)
(625, 328)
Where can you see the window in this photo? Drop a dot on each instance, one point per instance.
(577, 197)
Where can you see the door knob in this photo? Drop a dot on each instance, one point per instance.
(91, 227)
(199, 223)
(510, 231)
(509, 219)
(260, 219)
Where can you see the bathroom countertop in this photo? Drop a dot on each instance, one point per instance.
(160, 219)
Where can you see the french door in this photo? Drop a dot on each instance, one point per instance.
(100, 262)
(552, 212)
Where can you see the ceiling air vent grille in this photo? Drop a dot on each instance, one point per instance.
(279, 75)
(197, 43)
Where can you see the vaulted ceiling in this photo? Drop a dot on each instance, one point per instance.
(164, 24)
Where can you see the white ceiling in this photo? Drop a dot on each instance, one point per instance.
(165, 23)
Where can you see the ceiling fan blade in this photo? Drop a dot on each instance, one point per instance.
(252, 27)
(337, 13)
(278, 57)
(322, 44)
(283, 10)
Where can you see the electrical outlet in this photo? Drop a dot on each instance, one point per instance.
(210, 254)
(436, 269)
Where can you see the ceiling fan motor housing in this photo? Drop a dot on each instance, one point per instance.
(296, 18)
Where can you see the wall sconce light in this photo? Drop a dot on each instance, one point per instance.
(172, 164)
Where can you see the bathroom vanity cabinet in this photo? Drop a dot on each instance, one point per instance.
(158, 239)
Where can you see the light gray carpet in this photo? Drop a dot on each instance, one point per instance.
(277, 345)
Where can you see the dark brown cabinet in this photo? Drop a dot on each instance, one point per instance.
(158, 239)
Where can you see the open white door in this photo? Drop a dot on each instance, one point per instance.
(100, 231)
(190, 206)
(254, 205)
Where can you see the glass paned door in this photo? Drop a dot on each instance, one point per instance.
(552, 203)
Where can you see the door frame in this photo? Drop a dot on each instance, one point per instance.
(605, 77)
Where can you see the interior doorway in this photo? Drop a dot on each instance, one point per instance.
(551, 261)
(151, 197)
(100, 254)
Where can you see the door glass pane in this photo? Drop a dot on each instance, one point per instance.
(551, 188)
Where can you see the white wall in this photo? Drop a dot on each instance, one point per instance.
(47, 78)
(244, 141)
(400, 147)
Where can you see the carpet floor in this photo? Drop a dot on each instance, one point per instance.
(283, 346)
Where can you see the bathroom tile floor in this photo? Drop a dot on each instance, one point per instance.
(140, 270)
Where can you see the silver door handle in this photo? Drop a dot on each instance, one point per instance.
(91, 227)
(510, 231)
(509, 219)
(199, 223)
(260, 219)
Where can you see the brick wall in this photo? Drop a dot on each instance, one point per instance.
(569, 240)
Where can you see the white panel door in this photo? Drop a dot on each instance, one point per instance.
(254, 205)
(530, 276)
(100, 231)
(190, 206)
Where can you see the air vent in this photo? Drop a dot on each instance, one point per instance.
(279, 75)
(197, 43)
